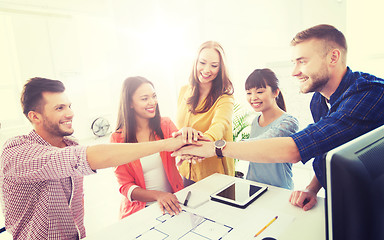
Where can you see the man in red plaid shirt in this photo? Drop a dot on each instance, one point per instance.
(41, 178)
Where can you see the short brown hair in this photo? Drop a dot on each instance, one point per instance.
(329, 34)
(31, 97)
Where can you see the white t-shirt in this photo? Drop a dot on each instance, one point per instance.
(154, 175)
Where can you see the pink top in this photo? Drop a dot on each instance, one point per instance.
(42, 188)
(132, 173)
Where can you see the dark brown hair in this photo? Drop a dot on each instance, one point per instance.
(31, 96)
(261, 78)
(220, 85)
(126, 120)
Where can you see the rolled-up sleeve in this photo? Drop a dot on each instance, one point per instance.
(25, 161)
(350, 117)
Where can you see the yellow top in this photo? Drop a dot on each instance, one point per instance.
(215, 124)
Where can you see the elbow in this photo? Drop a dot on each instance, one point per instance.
(294, 154)
(294, 160)
(295, 157)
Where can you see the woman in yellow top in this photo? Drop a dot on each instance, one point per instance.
(206, 104)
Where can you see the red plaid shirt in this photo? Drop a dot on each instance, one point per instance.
(42, 188)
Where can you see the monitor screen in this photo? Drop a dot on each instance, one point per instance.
(355, 188)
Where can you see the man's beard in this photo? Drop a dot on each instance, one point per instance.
(55, 130)
(318, 81)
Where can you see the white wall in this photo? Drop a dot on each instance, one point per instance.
(365, 36)
(93, 45)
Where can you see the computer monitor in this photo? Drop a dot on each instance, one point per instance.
(355, 188)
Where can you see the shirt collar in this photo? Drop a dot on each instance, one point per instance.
(68, 140)
(344, 84)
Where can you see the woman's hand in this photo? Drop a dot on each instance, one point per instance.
(190, 135)
(189, 158)
(168, 201)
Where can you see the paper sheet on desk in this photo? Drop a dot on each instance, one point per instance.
(250, 225)
(196, 199)
(185, 226)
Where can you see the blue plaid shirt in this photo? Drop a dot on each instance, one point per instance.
(356, 107)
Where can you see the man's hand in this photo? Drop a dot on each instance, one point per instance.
(204, 150)
(168, 201)
(304, 199)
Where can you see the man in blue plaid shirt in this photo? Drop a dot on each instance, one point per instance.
(344, 106)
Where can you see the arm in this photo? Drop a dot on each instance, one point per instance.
(26, 160)
(306, 199)
(166, 200)
(221, 128)
(222, 118)
(131, 179)
(357, 111)
(130, 176)
(282, 149)
(214, 123)
(115, 154)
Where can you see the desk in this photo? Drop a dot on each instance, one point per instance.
(294, 222)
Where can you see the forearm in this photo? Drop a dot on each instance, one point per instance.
(221, 122)
(143, 195)
(116, 154)
(282, 149)
(314, 186)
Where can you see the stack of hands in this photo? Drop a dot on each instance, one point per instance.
(190, 138)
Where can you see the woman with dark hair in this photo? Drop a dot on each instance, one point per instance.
(156, 178)
(206, 104)
(265, 97)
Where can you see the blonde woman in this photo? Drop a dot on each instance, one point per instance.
(206, 104)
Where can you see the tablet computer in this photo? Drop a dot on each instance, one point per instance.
(239, 193)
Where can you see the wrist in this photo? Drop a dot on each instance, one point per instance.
(169, 144)
(212, 149)
(314, 186)
(312, 189)
(219, 147)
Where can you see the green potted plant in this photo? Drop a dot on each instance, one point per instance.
(241, 127)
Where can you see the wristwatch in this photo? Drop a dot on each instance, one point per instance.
(219, 146)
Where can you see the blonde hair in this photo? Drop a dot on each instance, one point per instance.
(220, 85)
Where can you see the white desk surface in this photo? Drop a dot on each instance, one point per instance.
(292, 222)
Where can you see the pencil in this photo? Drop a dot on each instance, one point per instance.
(261, 230)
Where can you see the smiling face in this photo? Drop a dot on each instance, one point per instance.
(262, 99)
(144, 102)
(57, 115)
(310, 66)
(208, 65)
